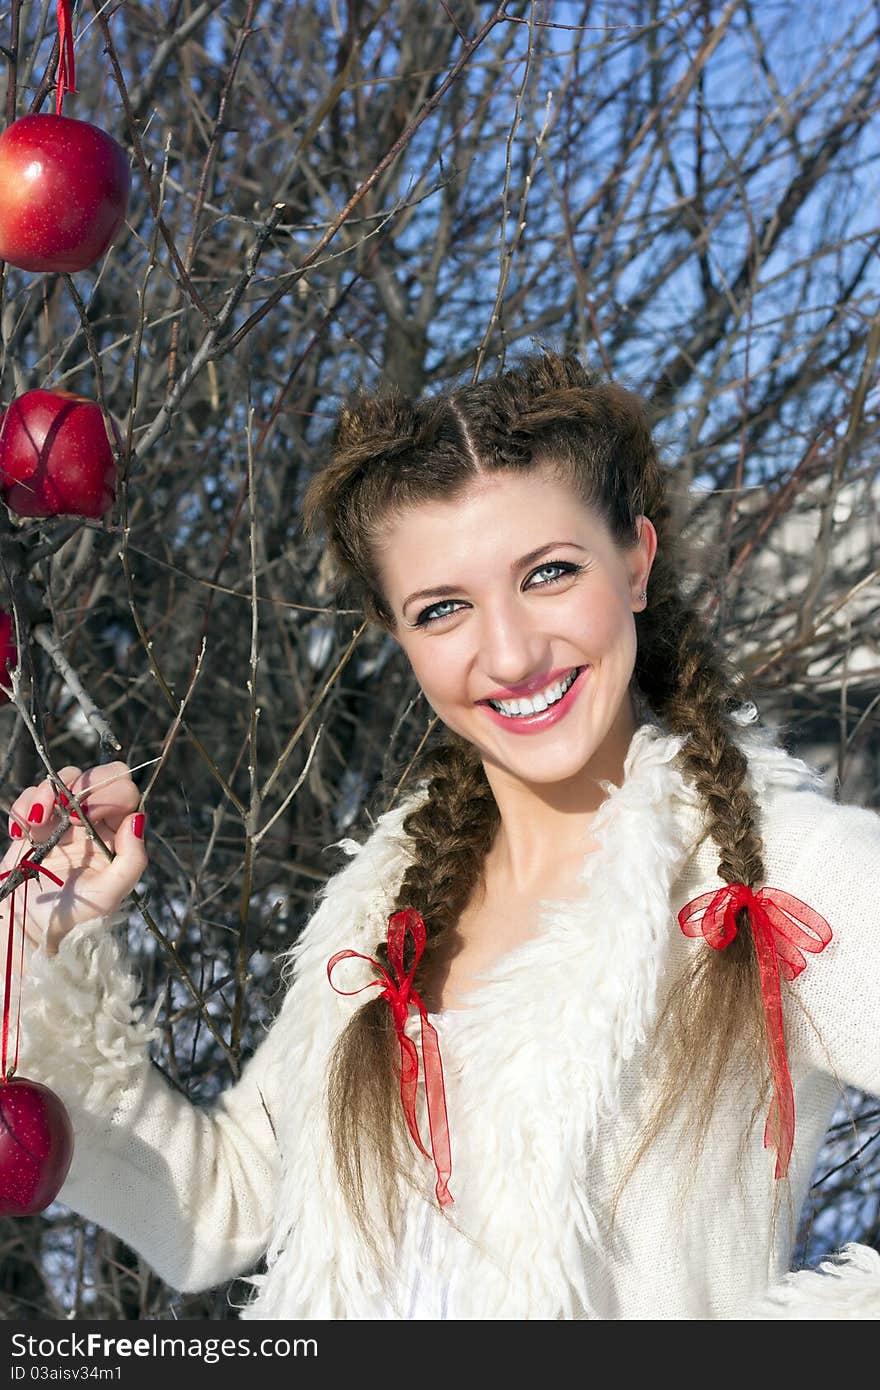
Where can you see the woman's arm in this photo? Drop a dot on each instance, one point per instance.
(191, 1189)
(833, 1018)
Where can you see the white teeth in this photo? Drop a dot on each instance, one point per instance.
(515, 709)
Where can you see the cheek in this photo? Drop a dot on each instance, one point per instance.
(442, 667)
(442, 688)
(438, 673)
(607, 624)
(434, 672)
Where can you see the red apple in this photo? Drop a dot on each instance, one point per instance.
(8, 651)
(55, 457)
(36, 1146)
(64, 188)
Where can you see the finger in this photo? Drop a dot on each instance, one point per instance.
(34, 809)
(107, 793)
(17, 820)
(70, 779)
(127, 866)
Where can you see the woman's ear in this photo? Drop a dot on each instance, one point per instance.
(642, 555)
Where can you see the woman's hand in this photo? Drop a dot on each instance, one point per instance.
(94, 885)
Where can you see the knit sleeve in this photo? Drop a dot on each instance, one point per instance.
(192, 1189)
(835, 1008)
(845, 1287)
(828, 855)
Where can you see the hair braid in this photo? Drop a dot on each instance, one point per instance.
(690, 686)
(450, 831)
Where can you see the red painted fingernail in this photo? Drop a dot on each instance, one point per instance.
(35, 814)
(65, 801)
(15, 830)
(137, 826)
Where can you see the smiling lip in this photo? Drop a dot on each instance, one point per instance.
(536, 723)
(514, 692)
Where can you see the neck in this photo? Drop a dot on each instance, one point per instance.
(545, 827)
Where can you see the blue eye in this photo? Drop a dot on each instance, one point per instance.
(430, 615)
(565, 566)
(433, 613)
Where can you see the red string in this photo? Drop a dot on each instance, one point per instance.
(781, 927)
(66, 78)
(400, 994)
(31, 871)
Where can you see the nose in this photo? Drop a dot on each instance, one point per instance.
(512, 648)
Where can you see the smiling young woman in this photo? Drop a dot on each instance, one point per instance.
(590, 909)
(507, 534)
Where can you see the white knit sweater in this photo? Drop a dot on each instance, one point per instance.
(548, 1077)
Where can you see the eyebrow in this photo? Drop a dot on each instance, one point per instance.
(444, 590)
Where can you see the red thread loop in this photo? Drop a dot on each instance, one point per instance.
(66, 78)
(400, 994)
(781, 927)
(31, 871)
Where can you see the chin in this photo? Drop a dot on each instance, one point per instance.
(539, 762)
(546, 771)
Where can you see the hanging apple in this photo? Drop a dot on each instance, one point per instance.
(36, 1136)
(64, 188)
(55, 457)
(8, 650)
(36, 1146)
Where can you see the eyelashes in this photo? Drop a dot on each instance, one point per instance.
(566, 569)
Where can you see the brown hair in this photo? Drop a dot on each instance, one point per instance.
(390, 453)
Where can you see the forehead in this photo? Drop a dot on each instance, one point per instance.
(496, 518)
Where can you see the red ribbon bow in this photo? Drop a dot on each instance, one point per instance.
(781, 926)
(31, 871)
(400, 994)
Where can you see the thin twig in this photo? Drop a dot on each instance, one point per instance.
(316, 702)
(50, 643)
(253, 811)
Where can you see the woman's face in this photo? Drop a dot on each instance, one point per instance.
(516, 590)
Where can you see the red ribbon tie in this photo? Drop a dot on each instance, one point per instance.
(31, 871)
(400, 994)
(66, 78)
(783, 928)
